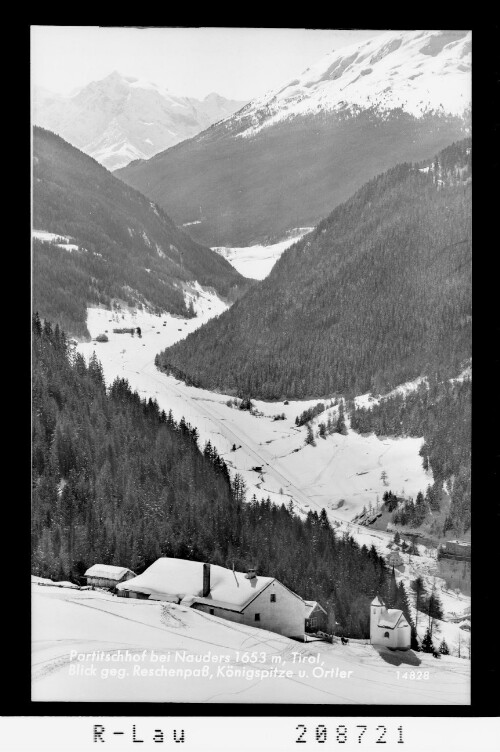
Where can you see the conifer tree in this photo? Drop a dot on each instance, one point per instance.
(341, 426)
(418, 587)
(239, 488)
(443, 648)
(393, 590)
(310, 436)
(323, 519)
(427, 644)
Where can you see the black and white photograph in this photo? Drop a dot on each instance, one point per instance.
(251, 366)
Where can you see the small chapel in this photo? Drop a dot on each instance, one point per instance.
(388, 626)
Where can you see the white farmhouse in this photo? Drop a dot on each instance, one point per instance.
(246, 598)
(388, 626)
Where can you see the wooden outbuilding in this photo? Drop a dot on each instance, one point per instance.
(107, 575)
(316, 617)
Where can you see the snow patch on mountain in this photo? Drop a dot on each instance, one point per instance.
(369, 400)
(50, 237)
(206, 302)
(60, 241)
(417, 71)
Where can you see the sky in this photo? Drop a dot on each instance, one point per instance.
(238, 63)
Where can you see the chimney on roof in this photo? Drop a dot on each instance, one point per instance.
(251, 574)
(206, 580)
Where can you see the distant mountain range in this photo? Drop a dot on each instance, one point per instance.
(285, 159)
(97, 240)
(121, 118)
(378, 294)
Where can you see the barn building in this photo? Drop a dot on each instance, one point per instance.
(455, 549)
(394, 559)
(388, 626)
(107, 575)
(246, 598)
(316, 617)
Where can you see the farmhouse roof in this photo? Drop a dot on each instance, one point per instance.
(107, 571)
(182, 580)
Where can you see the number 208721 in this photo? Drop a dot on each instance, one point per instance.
(342, 734)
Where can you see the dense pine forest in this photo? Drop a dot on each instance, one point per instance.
(127, 248)
(116, 480)
(441, 413)
(377, 294)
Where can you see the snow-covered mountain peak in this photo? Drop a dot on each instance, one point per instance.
(121, 118)
(417, 71)
(119, 87)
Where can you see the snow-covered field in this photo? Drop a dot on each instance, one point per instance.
(341, 473)
(256, 261)
(93, 646)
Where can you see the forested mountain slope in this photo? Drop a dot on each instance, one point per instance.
(377, 294)
(111, 242)
(441, 413)
(117, 481)
(288, 157)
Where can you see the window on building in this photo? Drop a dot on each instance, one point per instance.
(273, 597)
(257, 617)
(386, 634)
(212, 611)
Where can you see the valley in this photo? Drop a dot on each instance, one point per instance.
(122, 245)
(257, 261)
(251, 356)
(341, 473)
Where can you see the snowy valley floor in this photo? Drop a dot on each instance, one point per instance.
(256, 261)
(342, 473)
(93, 646)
